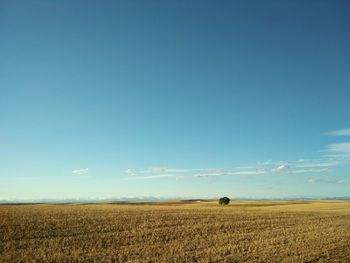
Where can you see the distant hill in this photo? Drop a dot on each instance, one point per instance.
(154, 199)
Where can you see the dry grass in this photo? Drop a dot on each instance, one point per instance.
(309, 231)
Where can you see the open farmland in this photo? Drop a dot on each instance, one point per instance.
(300, 231)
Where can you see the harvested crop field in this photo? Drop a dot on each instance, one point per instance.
(190, 231)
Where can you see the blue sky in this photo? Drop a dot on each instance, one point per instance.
(174, 99)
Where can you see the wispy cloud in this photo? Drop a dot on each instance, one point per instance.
(303, 171)
(268, 162)
(129, 172)
(339, 152)
(80, 171)
(327, 162)
(343, 132)
(339, 148)
(166, 171)
(335, 155)
(326, 181)
(229, 173)
(157, 170)
(280, 168)
(158, 176)
(180, 174)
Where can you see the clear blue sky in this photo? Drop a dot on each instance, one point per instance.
(174, 98)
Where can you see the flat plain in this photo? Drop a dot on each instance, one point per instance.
(178, 231)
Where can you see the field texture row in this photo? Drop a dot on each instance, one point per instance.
(317, 231)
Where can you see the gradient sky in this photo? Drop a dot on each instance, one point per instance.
(174, 99)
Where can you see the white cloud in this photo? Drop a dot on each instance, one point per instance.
(158, 176)
(337, 155)
(157, 170)
(80, 171)
(326, 181)
(279, 169)
(245, 167)
(302, 171)
(268, 162)
(180, 174)
(343, 132)
(130, 172)
(339, 148)
(230, 173)
(318, 163)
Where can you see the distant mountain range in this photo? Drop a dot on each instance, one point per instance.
(153, 199)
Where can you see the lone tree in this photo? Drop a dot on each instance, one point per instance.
(224, 201)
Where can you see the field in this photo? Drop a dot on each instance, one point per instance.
(179, 231)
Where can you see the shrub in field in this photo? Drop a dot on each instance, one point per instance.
(224, 201)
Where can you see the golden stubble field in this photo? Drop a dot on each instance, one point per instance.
(285, 231)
